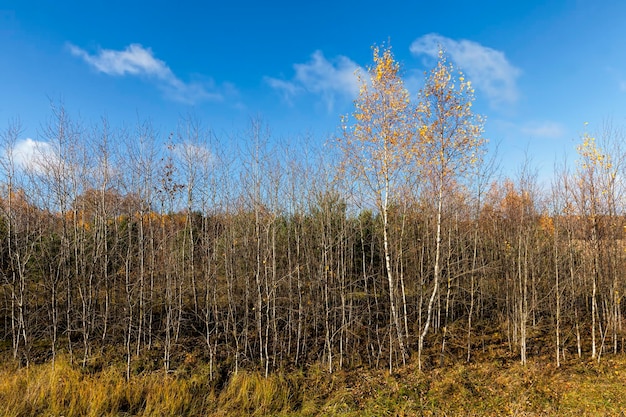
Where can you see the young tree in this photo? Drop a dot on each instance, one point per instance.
(19, 239)
(450, 141)
(597, 204)
(376, 148)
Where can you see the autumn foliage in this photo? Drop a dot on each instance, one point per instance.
(396, 248)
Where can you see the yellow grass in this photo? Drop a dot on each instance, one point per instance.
(489, 389)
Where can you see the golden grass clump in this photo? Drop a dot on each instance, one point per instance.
(253, 394)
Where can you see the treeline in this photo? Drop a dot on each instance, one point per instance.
(272, 256)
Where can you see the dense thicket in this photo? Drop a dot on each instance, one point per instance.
(267, 256)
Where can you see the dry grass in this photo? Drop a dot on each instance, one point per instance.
(250, 393)
(67, 390)
(486, 389)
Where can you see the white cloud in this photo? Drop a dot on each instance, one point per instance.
(548, 130)
(32, 155)
(487, 68)
(320, 76)
(288, 88)
(189, 152)
(136, 60)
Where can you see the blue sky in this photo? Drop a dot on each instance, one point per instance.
(540, 69)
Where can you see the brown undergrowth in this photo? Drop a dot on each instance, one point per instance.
(488, 388)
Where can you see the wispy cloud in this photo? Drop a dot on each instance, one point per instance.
(189, 152)
(329, 79)
(33, 156)
(547, 130)
(487, 68)
(138, 61)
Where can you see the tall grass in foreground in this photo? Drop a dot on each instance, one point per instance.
(64, 389)
(488, 388)
(68, 390)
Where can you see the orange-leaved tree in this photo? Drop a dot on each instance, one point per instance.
(450, 141)
(376, 145)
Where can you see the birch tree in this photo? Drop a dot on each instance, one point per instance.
(597, 178)
(450, 140)
(376, 144)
